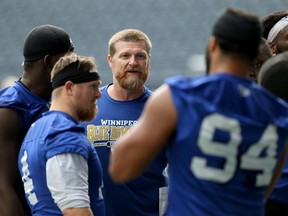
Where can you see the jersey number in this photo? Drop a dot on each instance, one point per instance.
(250, 160)
(28, 182)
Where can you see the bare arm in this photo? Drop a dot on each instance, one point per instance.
(77, 212)
(278, 172)
(10, 138)
(135, 150)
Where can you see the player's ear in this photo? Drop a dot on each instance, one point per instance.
(212, 43)
(48, 61)
(109, 58)
(69, 87)
(273, 48)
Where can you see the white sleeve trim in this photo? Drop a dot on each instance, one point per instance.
(67, 180)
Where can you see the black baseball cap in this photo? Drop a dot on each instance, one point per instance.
(46, 40)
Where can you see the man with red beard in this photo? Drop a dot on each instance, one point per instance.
(60, 169)
(119, 109)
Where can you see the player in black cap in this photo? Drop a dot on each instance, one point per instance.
(46, 40)
(22, 104)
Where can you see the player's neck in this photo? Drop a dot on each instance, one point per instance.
(238, 67)
(63, 105)
(116, 92)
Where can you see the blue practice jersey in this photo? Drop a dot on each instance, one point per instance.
(141, 196)
(56, 133)
(229, 136)
(28, 107)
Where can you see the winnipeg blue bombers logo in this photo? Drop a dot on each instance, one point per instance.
(107, 133)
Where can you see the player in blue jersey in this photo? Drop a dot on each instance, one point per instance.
(276, 32)
(273, 76)
(60, 169)
(225, 133)
(119, 109)
(23, 103)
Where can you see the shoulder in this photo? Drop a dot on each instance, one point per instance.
(104, 92)
(104, 88)
(59, 127)
(9, 96)
(185, 85)
(147, 91)
(187, 81)
(61, 121)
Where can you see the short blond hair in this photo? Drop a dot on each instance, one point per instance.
(85, 62)
(129, 35)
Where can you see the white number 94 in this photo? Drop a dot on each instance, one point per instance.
(250, 160)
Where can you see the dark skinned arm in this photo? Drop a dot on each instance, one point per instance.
(278, 172)
(10, 141)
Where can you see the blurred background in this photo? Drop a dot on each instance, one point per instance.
(178, 29)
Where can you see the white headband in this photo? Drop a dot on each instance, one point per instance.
(279, 26)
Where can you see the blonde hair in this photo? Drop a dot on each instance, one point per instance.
(85, 62)
(129, 35)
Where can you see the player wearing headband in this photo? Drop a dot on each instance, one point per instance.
(60, 169)
(276, 31)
